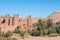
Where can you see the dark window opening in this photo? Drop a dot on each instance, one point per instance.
(19, 20)
(9, 22)
(13, 21)
(3, 21)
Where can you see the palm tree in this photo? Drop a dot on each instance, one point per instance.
(49, 23)
(41, 24)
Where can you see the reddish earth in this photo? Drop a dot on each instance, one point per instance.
(42, 38)
(27, 37)
(35, 38)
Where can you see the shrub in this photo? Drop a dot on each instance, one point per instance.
(22, 33)
(16, 30)
(35, 32)
(53, 35)
(58, 29)
(45, 32)
(14, 39)
(8, 34)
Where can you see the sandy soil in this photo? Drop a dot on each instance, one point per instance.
(36, 38)
(44, 38)
(40, 38)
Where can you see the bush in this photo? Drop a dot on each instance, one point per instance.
(22, 33)
(14, 39)
(52, 30)
(58, 29)
(35, 32)
(45, 32)
(8, 34)
(16, 30)
(53, 35)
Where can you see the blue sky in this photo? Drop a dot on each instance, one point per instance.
(36, 8)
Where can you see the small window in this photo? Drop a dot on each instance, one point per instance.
(9, 22)
(19, 20)
(3, 21)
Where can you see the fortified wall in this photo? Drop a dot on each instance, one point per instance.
(8, 22)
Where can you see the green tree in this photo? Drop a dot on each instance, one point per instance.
(41, 24)
(52, 30)
(35, 32)
(58, 28)
(49, 22)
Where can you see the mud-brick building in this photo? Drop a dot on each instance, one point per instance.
(8, 22)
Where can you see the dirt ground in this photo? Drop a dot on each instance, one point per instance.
(42, 38)
(36, 38)
(39, 38)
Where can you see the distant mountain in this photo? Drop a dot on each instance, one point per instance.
(55, 16)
